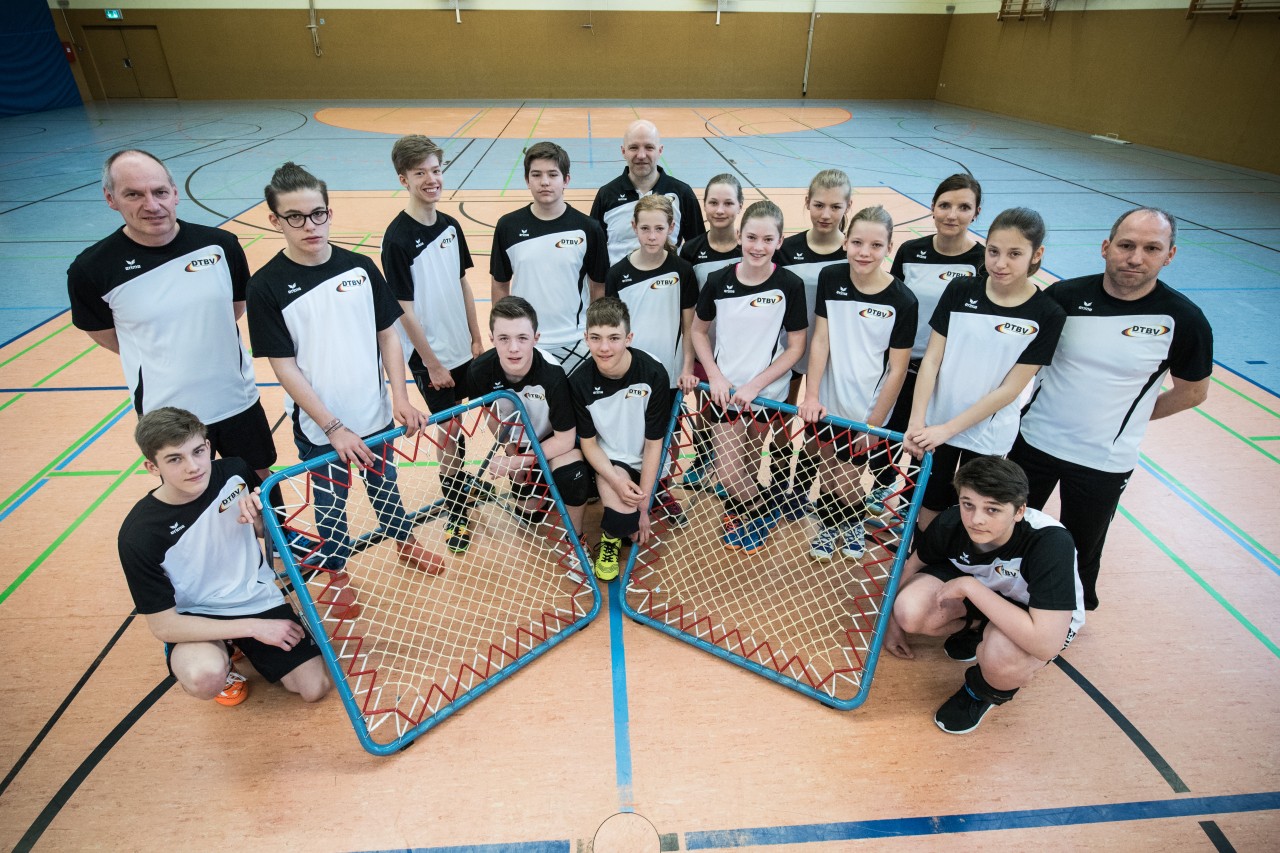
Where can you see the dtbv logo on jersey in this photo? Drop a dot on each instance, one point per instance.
(232, 498)
(447, 241)
(570, 242)
(1138, 331)
(1011, 328)
(534, 395)
(665, 281)
(947, 275)
(204, 263)
(350, 284)
(875, 313)
(764, 301)
(636, 392)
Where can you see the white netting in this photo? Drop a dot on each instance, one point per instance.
(411, 639)
(746, 572)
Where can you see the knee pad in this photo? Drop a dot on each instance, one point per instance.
(619, 524)
(525, 491)
(575, 482)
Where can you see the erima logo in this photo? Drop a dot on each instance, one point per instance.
(729, 289)
(875, 313)
(799, 256)
(533, 395)
(665, 281)
(636, 392)
(597, 391)
(293, 288)
(176, 528)
(447, 241)
(203, 263)
(922, 254)
(350, 284)
(132, 265)
(570, 242)
(972, 303)
(1008, 328)
(947, 275)
(763, 301)
(1085, 306)
(622, 198)
(702, 256)
(524, 232)
(843, 291)
(1145, 331)
(232, 498)
(964, 557)
(626, 279)
(417, 243)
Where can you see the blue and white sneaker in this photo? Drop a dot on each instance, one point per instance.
(794, 506)
(753, 534)
(874, 502)
(853, 536)
(823, 545)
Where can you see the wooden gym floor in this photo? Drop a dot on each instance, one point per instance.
(1159, 729)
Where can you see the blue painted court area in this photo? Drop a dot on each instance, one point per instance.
(222, 153)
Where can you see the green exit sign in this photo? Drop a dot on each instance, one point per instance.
(114, 15)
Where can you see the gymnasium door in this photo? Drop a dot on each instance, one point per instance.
(130, 62)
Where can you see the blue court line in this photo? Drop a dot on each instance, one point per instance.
(1247, 379)
(1195, 504)
(621, 714)
(97, 435)
(11, 507)
(514, 847)
(590, 158)
(33, 328)
(983, 821)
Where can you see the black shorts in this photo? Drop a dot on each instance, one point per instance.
(272, 662)
(246, 435)
(841, 440)
(631, 472)
(946, 572)
(939, 494)
(439, 399)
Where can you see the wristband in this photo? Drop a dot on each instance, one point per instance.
(332, 427)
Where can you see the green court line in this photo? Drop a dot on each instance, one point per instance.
(484, 112)
(62, 537)
(1235, 391)
(520, 160)
(1251, 438)
(1213, 593)
(1209, 508)
(1243, 438)
(53, 474)
(256, 238)
(19, 355)
(64, 366)
(63, 455)
(15, 398)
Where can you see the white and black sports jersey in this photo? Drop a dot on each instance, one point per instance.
(795, 255)
(615, 203)
(1092, 405)
(172, 309)
(621, 414)
(705, 260)
(984, 342)
(545, 261)
(1035, 568)
(749, 322)
(655, 299)
(927, 272)
(424, 264)
(861, 328)
(544, 391)
(197, 556)
(327, 317)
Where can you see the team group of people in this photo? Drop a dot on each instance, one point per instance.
(599, 322)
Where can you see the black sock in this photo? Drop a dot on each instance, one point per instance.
(980, 688)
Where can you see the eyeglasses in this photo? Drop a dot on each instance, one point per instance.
(297, 220)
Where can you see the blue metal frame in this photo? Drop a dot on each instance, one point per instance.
(891, 590)
(315, 625)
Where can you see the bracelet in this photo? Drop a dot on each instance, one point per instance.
(333, 426)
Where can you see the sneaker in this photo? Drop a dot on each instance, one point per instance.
(892, 524)
(672, 511)
(695, 479)
(794, 506)
(753, 534)
(963, 712)
(457, 534)
(236, 691)
(730, 523)
(416, 557)
(963, 644)
(606, 562)
(528, 519)
(874, 502)
(572, 565)
(854, 544)
(478, 490)
(824, 544)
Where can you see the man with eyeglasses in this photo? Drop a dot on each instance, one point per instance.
(165, 296)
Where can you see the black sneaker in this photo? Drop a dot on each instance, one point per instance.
(962, 713)
(458, 535)
(963, 644)
(478, 490)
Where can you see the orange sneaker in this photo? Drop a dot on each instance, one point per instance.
(236, 691)
(415, 556)
(345, 605)
(236, 654)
